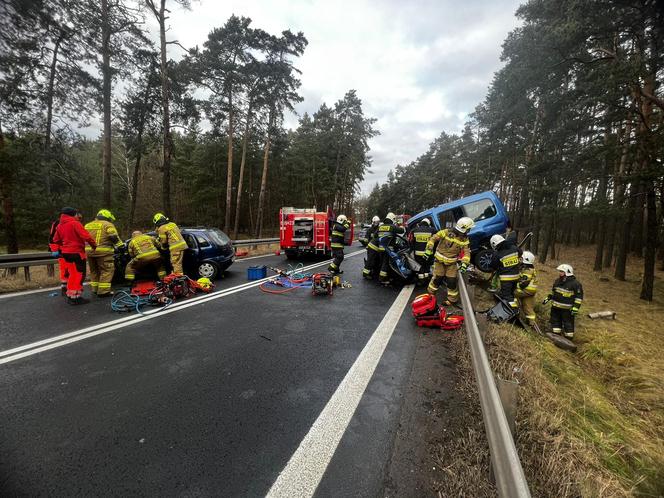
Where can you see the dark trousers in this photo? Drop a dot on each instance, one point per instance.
(371, 263)
(562, 320)
(335, 265)
(384, 266)
(506, 292)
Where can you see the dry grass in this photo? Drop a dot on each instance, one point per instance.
(591, 423)
(38, 279)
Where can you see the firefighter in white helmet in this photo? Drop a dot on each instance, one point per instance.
(372, 260)
(566, 298)
(506, 265)
(527, 286)
(387, 231)
(337, 242)
(452, 255)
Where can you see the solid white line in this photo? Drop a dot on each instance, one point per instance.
(306, 467)
(78, 335)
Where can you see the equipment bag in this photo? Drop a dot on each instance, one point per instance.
(502, 312)
(424, 305)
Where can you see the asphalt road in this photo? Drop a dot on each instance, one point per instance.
(209, 399)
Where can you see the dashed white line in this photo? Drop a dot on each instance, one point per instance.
(306, 467)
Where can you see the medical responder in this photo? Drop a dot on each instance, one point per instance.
(506, 265)
(100, 261)
(453, 248)
(373, 256)
(169, 238)
(143, 252)
(419, 237)
(387, 232)
(566, 298)
(527, 286)
(69, 243)
(62, 264)
(337, 242)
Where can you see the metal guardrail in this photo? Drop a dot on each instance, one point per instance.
(507, 469)
(27, 259)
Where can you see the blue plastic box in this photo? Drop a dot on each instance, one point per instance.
(256, 272)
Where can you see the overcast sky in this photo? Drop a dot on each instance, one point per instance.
(419, 66)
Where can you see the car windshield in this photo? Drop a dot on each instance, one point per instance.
(480, 210)
(218, 237)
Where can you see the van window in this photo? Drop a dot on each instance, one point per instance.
(446, 219)
(480, 210)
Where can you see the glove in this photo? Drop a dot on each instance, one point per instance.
(463, 268)
(548, 298)
(55, 254)
(575, 311)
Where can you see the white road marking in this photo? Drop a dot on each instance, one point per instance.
(306, 467)
(16, 353)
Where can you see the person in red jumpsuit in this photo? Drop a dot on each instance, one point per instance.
(69, 243)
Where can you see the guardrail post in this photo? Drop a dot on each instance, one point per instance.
(26, 273)
(50, 270)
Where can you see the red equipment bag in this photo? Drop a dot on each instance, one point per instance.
(143, 287)
(424, 305)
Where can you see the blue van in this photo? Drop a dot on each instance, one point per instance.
(485, 209)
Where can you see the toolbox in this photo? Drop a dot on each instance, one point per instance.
(256, 272)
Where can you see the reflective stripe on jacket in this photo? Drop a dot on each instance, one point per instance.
(142, 246)
(506, 262)
(386, 233)
(337, 236)
(567, 293)
(420, 238)
(452, 247)
(170, 237)
(528, 281)
(106, 236)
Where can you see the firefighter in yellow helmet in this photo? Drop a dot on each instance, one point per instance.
(169, 238)
(100, 259)
(453, 248)
(143, 253)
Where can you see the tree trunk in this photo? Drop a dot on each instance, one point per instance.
(6, 193)
(623, 241)
(245, 141)
(648, 282)
(602, 205)
(49, 114)
(166, 118)
(261, 196)
(106, 102)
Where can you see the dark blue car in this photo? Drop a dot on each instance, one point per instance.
(209, 253)
(485, 209)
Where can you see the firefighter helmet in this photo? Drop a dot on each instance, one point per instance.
(392, 217)
(566, 269)
(205, 282)
(106, 214)
(158, 217)
(464, 224)
(426, 221)
(496, 240)
(528, 258)
(375, 220)
(342, 218)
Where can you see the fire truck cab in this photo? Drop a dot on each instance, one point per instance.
(307, 231)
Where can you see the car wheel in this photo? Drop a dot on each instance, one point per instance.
(483, 260)
(208, 270)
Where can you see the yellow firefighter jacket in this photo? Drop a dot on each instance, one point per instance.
(452, 247)
(105, 235)
(170, 237)
(142, 246)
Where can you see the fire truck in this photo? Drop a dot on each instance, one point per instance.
(307, 231)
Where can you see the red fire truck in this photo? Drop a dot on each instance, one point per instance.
(307, 231)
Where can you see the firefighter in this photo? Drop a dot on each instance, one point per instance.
(100, 261)
(453, 248)
(387, 231)
(373, 256)
(69, 243)
(419, 237)
(143, 252)
(506, 265)
(170, 239)
(527, 286)
(337, 242)
(566, 298)
(62, 264)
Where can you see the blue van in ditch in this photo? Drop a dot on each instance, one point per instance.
(487, 212)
